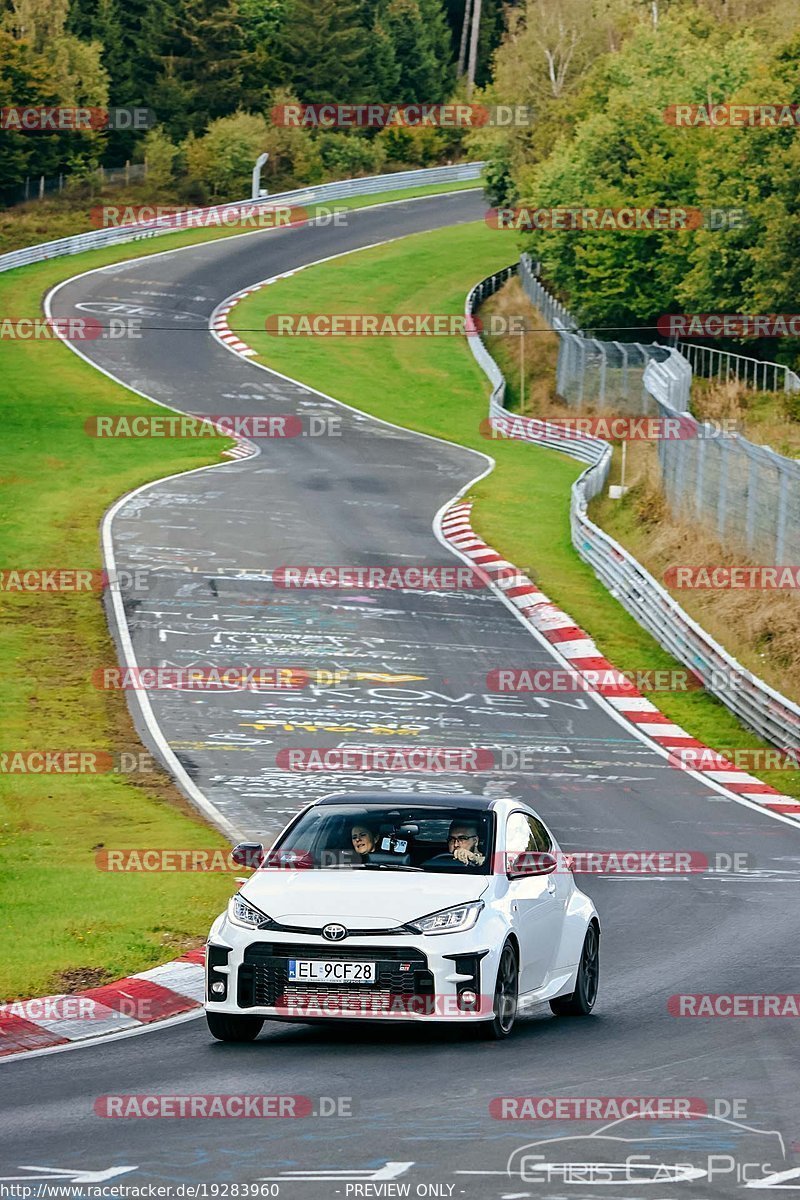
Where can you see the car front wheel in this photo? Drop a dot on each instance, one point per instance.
(227, 1028)
(506, 991)
(581, 1002)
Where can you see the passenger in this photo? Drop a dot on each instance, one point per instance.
(363, 839)
(463, 843)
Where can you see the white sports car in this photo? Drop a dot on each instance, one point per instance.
(403, 907)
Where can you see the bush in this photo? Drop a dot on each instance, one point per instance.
(159, 153)
(346, 155)
(223, 158)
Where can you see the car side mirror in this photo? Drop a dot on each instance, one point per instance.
(530, 863)
(248, 854)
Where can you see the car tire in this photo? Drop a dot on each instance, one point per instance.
(581, 1002)
(506, 992)
(227, 1028)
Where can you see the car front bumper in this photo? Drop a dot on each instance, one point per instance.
(424, 978)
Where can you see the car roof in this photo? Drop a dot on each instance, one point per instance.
(393, 799)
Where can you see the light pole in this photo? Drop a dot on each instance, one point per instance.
(256, 189)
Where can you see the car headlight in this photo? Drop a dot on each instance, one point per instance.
(450, 920)
(241, 912)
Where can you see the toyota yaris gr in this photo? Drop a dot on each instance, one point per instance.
(403, 907)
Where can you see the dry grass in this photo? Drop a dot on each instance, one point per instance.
(768, 418)
(537, 352)
(762, 629)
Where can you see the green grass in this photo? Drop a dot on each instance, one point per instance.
(32, 227)
(66, 924)
(433, 385)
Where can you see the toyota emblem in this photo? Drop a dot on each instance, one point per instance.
(334, 933)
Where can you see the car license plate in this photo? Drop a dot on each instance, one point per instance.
(320, 970)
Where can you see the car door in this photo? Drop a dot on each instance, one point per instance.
(537, 903)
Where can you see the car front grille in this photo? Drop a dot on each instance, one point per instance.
(264, 976)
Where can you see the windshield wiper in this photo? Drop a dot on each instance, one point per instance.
(388, 867)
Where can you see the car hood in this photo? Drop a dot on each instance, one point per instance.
(370, 899)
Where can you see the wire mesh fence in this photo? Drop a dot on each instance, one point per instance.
(754, 373)
(747, 495)
(762, 709)
(38, 187)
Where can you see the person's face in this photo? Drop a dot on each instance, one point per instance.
(462, 837)
(363, 841)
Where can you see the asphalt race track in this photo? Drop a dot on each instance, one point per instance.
(418, 1099)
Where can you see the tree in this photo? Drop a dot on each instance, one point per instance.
(160, 154)
(205, 61)
(223, 157)
(422, 49)
(473, 46)
(325, 48)
(28, 80)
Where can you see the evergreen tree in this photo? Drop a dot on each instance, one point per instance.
(422, 49)
(204, 65)
(326, 51)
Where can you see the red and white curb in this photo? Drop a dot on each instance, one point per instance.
(222, 330)
(219, 318)
(577, 647)
(156, 995)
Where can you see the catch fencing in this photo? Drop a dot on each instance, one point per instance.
(340, 190)
(746, 495)
(754, 373)
(37, 187)
(762, 709)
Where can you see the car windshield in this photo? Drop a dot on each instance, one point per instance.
(385, 837)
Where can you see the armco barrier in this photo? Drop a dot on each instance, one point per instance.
(747, 495)
(341, 190)
(769, 714)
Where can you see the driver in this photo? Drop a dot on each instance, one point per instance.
(463, 843)
(363, 839)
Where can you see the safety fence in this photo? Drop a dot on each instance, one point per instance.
(753, 373)
(762, 709)
(340, 190)
(38, 187)
(746, 495)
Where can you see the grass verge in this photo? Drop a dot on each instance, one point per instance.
(66, 924)
(433, 385)
(34, 225)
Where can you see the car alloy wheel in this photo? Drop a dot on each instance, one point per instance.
(505, 995)
(582, 1000)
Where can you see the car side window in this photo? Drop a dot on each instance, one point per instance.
(525, 834)
(541, 835)
(517, 834)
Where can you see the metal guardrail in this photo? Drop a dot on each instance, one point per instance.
(769, 714)
(340, 190)
(747, 495)
(753, 373)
